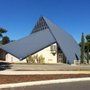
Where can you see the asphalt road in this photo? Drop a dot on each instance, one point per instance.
(64, 86)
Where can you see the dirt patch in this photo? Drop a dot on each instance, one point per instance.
(4, 79)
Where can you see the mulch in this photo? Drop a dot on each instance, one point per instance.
(6, 79)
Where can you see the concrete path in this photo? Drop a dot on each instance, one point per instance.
(49, 67)
(9, 72)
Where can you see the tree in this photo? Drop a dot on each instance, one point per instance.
(88, 38)
(87, 47)
(5, 40)
(2, 30)
(82, 47)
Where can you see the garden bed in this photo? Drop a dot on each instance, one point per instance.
(6, 79)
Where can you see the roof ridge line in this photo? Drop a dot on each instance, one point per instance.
(50, 29)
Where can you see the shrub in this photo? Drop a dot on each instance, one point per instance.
(35, 59)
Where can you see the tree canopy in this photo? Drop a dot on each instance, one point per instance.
(88, 38)
(5, 40)
(2, 30)
(85, 47)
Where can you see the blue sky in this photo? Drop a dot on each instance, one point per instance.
(19, 16)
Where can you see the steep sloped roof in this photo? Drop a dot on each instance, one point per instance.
(30, 44)
(44, 34)
(66, 42)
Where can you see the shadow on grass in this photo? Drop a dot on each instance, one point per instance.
(4, 66)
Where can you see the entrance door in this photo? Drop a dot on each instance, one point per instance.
(60, 57)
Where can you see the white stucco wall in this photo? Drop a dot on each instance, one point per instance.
(12, 59)
(46, 53)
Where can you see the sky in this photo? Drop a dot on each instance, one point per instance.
(20, 16)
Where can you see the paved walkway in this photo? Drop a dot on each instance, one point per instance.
(27, 69)
(8, 72)
(49, 67)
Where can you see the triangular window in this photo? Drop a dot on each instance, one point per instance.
(40, 25)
